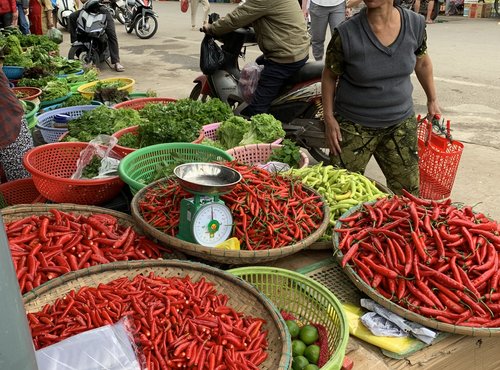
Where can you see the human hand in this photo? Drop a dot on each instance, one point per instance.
(26, 12)
(206, 28)
(15, 16)
(433, 108)
(333, 135)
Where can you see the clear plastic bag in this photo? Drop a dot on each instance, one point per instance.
(249, 79)
(109, 347)
(99, 149)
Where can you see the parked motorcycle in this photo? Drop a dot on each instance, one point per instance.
(139, 16)
(117, 10)
(91, 46)
(298, 106)
(62, 10)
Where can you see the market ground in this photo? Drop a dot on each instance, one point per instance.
(466, 58)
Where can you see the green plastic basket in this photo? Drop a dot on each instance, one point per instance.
(31, 110)
(307, 300)
(138, 168)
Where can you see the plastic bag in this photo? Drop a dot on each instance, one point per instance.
(185, 5)
(108, 347)
(381, 327)
(211, 55)
(55, 35)
(274, 167)
(100, 156)
(249, 79)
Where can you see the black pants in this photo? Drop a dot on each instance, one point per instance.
(5, 20)
(271, 80)
(110, 32)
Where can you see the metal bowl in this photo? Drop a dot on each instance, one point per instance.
(207, 178)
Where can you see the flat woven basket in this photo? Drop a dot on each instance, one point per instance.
(403, 312)
(234, 257)
(243, 297)
(307, 300)
(259, 154)
(19, 212)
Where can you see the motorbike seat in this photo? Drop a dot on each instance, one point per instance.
(310, 71)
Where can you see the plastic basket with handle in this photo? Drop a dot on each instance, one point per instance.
(259, 154)
(439, 160)
(45, 120)
(138, 168)
(51, 167)
(210, 131)
(140, 103)
(87, 89)
(307, 300)
(134, 130)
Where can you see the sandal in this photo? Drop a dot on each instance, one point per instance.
(430, 21)
(119, 67)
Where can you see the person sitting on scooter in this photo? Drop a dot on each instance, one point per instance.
(114, 50)
(281, 33)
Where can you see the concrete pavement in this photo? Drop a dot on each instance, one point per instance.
(466, 58)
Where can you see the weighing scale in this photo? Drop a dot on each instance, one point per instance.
(205, 219)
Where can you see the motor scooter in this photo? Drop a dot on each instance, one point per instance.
(91, 46)
(139, 16)
(298, 106)
(62, 11)
(117, 10)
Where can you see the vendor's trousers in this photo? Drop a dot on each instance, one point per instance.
(395, 149)
(11, 157)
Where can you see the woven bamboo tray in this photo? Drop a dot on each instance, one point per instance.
(18, 212)
(232, 257)
(397, 309)
(243, 297)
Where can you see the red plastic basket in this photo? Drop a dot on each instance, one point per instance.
(138, 104)
(51, 167)
(22, 191)
(123, 150)
(438, 163)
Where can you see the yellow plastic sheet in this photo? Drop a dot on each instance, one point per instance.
(399, 345)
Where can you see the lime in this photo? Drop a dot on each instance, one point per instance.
(299, 362)
(298, 347)
(311, 367)
(312, 354)
(308, 334)
(293, 328)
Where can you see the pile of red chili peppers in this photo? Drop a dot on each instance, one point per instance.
(177, 323)
(45, 247)
(430, 257)
(269, 211)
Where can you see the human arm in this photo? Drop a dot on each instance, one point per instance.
(352, 3)
(26, 7)
(305, 8)
(241, 16)
(425, 76)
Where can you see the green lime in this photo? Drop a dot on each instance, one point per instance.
(308, 334)
(298, 347)
(312, 354)
(311, 367)
(299, 362)
(293, 328)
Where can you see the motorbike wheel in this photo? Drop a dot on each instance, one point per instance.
(119, 15)
(146, 27)
(196, 93)
(81, 53)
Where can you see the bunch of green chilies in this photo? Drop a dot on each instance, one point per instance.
(269, 211)
(430, 257)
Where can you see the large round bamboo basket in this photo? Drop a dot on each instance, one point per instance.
(243, 297)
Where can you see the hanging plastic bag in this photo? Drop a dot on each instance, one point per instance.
(109, 347)
(211, 55)
(249, 79)
(98, 160)
(185, 5)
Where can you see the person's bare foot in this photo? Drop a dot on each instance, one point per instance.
(429, 21)
(119, 67)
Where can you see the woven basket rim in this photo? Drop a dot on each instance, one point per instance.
(242, 256)
(394, 307)
(185, 266)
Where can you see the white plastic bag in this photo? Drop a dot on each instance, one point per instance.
(249, 78)
(102, 148)
(109, 347)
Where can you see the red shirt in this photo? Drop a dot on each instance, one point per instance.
(11, 113)
(8, 6)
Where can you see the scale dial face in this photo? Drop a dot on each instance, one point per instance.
(212, 224)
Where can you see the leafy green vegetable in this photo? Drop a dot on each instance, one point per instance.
(288, 153)
(91, 170)
(130, 140)
(36, 82)
(231, 131)
(55, 89)
(89, 76)
(75, 99)
(264, 128)
(213, 143)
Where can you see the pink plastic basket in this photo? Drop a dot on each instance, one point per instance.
(210, 132)
(259, 153)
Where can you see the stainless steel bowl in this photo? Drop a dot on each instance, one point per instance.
(207, 178)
